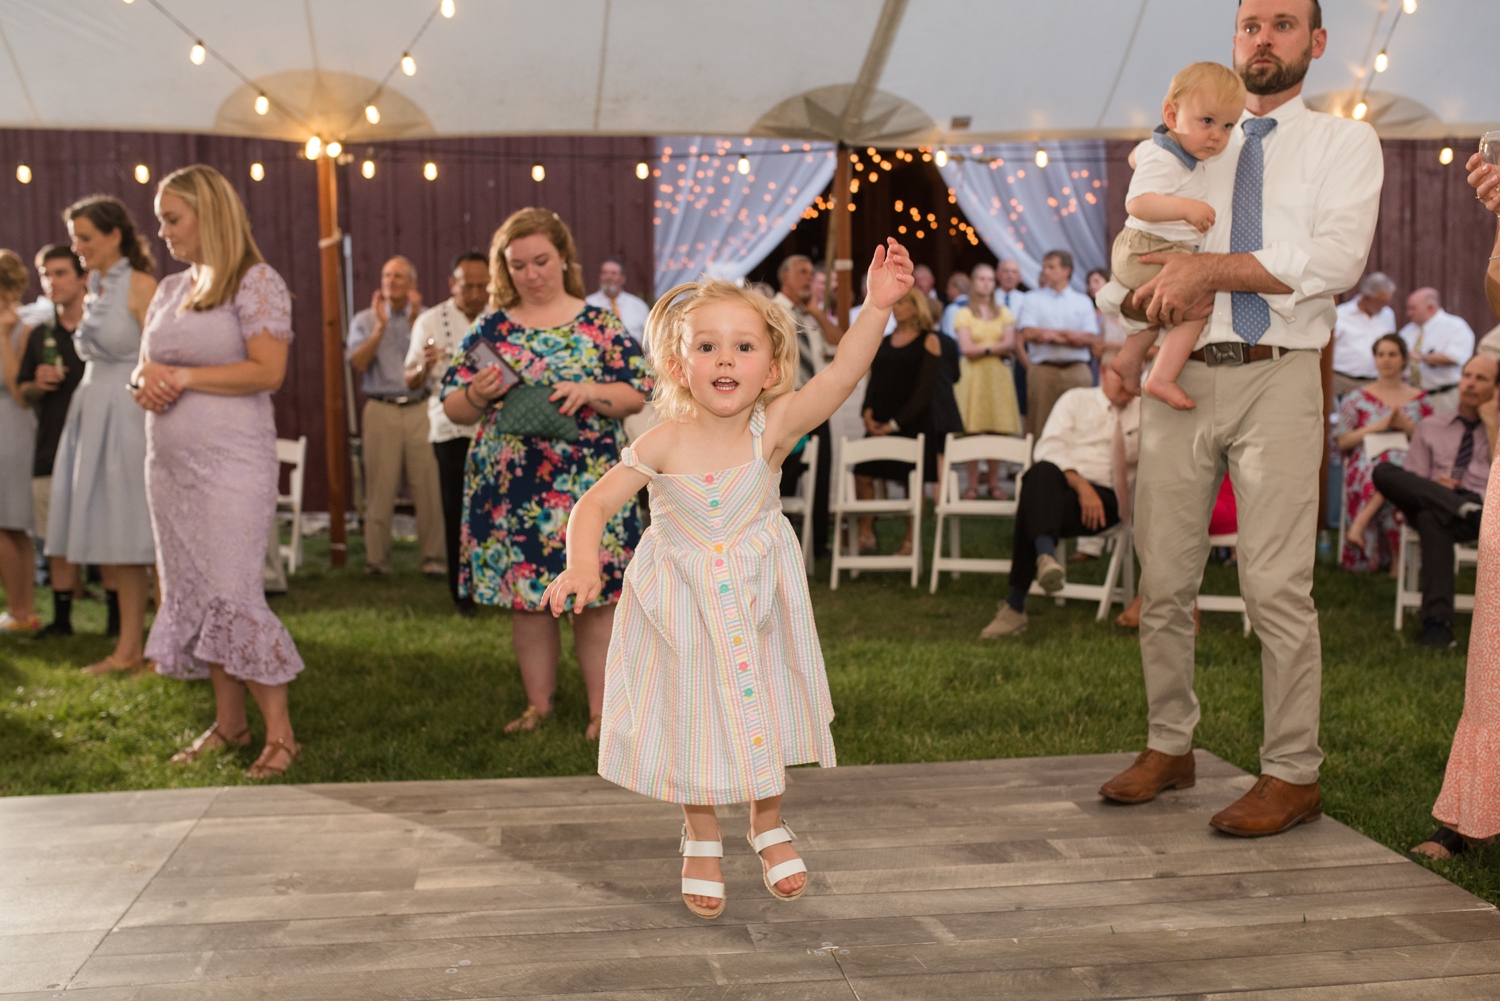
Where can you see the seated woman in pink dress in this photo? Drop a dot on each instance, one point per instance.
(1469, 805)
(215, 348)
(1387, 404)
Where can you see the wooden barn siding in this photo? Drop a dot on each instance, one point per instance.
(590, 182)
(1432, 230)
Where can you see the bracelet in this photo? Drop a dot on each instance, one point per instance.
(476, 406)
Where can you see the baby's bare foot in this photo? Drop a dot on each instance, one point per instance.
(1170, 393)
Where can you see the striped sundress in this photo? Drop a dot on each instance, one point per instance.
(715, 680)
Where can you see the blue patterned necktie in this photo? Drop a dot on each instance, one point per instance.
(1251, 312)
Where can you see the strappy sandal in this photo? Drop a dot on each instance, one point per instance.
(112, 665)
(1447, 839)
(209, 740)
(263, 769)
(702, 887)
(527, 721)
(776, 873)
(596, 723)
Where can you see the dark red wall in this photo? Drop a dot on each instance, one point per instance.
(590, 182)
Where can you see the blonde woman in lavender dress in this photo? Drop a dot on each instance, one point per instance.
(215, 349)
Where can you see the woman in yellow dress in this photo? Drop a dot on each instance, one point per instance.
(987, 392)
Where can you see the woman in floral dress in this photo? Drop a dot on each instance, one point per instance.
(1387, 404)
(519, 489)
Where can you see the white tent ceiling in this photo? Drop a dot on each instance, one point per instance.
(1017, 70)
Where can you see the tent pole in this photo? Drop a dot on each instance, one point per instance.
(843, 254)
(333, 357)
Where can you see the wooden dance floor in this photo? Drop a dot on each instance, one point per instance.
(974, 880)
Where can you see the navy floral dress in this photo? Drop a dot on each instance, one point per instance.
(518, 491)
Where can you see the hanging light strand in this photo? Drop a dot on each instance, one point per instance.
(405, 63)
(1382, 62)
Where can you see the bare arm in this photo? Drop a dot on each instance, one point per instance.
(585, 531)
(263, 370)
(364, 356)
(1170, 208)
(1088, 500)
(966, 345)
(142, 288)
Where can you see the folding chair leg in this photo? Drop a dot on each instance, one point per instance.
(838, 545)
(1111, 576)
(955, 549)
(937, 552)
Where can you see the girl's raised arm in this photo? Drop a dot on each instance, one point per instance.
(585, 530)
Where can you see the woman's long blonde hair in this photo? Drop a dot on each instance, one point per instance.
(529, 222)
(667, 338)
(224, 241)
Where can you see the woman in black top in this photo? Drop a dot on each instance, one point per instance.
(910, 393)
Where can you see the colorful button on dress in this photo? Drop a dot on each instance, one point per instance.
(715, 680)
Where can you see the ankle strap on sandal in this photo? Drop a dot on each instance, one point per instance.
(775, 836)
(700, 849)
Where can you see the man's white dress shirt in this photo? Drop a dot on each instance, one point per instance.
(1354, 335)
(1080, 435)
(812, 350)
(1320, 202)
(631, 309)
(446, 325)
(1446, 334)
(1066, 310)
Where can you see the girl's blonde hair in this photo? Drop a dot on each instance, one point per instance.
(13, 279)
(224, 241)
(667, 338)
(1215, 79)
(529, 222)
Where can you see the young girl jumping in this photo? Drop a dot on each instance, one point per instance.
(714, 681)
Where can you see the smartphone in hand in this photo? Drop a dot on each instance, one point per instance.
(483, 355)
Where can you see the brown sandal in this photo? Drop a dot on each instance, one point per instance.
(263, 769)
(527, 721)
(209, 740)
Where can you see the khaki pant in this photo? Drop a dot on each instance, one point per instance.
(395, 442)
(41, 502)
(1262, 423)
(1131, 244)
(1044, 384)
(1343, 384)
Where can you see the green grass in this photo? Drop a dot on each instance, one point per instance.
(397, 687)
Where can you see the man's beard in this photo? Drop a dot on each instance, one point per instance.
(1279, 79)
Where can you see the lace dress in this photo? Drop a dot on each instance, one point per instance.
(715, 680)
(211, 474)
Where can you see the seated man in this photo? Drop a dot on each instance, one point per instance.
(1441, 488)
(1073, 488)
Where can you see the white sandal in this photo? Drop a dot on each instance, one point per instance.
(702, 887)
(776, 873)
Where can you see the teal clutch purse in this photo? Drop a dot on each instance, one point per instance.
(526, 410)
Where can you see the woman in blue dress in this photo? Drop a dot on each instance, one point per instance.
(519, 489)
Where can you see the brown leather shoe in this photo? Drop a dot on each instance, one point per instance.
(1270, 807)
(1152, 772)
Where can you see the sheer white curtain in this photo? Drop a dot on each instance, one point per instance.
(1021, 210)
(711, 218)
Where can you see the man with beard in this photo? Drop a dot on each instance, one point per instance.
(1304, 189)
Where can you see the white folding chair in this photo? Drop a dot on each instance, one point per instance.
(800, 504)
(1409, 576)
(951, 506)
(1119, 578)
(289, 505)
(1224, 602)
(846, 507)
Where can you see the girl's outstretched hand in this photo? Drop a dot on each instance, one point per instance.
(890, 275)
(584, 586)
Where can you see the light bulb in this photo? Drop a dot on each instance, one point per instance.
(429, 170)
(1359, 111)
(367, 168)
(854, 185)
(642, 170)
(333, 149)
(447, 8)
(1445, 155)
(372, 114)
(940, 158)
(262, 104)
(1382, 62)
(1041, 158)
(313, 148)
(23, 173)
(257, 171)
(538, 172)
(1410, 6)
(142, 173)
(197, 53)
(743, 166)
(408, 64)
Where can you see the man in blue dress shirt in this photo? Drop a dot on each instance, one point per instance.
(1059, 328)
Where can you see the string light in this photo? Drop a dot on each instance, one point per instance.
(447, 8)
(538, 172)
(743, 166)
(313, 148)
(642, 170)
(1410, 6)
(1359, 111)
(372, 114)
(1445, 155)
(1041, 158)
(940, 158)
(197, 53)
(333, 149)
(142, 173)
(23, 173)
(854, 186)
(257, 171)
(1382, 62)
(408, 64)
(368, 169)
(262, 104)
(429, 170)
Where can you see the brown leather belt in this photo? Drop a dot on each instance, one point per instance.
(1237, 353)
